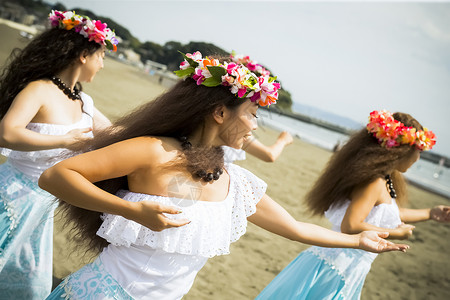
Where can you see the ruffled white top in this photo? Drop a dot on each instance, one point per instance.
(33, 163)
(163, 265)
(232, 154)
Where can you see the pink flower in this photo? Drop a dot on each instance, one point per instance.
(184, 65)
(198, 76)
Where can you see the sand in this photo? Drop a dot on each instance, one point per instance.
(422, 273)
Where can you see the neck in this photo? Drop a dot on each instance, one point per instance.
(205, 136)
(69, 76)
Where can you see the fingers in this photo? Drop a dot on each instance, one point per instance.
(169, 209)
(177, 223)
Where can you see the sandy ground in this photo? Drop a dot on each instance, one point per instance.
(422, 273)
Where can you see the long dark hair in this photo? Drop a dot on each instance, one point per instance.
(360, 161)
(46, 55)
(178, 112)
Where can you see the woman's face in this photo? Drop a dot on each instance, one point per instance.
(239, 126)
(93, 64)
(404, 164)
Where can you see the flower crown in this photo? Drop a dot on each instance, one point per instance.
(392, 133)
(252, 65)
(242, 82)
(91, 29)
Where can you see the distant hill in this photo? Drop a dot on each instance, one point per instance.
(326, 116)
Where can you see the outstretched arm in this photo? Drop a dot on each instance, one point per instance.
(268, 153)
(272, 217)
(440, 213)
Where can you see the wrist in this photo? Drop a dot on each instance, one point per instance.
(130, 210)
(355, 241)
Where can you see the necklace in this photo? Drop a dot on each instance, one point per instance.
(197, 171)
(75, 95)
(390, 186)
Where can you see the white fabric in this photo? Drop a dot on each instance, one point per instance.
(163, 265)
(231, 154)
(33, 163)
(354, 264)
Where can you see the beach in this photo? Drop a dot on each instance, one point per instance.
(421, 273)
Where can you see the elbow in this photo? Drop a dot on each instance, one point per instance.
(45, 179)
(350, 228)
(6, 140)
(270, 158)
(267, 157)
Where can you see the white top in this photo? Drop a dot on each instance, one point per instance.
(354, 264)
(232, 154)
(33, 163)
(163, 265)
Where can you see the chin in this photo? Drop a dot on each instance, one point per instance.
(237, 145)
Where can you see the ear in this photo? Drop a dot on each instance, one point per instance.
(219, 114)
(83, 56)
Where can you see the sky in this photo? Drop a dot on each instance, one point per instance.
(349, 58)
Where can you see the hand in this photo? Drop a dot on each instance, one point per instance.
(404, 231)
(373, 241)
(286, 137)
(440, 213)
(76, 135)
(151, 215)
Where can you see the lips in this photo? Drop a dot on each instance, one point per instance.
(247, 136)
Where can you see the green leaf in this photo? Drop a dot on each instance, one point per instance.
(185, 72)
(217, 72)
(189, 60)
(272, 79)
(211, 81)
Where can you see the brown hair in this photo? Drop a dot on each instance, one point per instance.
(47, 54)
(176, 113)
(360, 161)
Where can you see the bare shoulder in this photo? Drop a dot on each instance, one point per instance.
(38, 90)
(371, 190)
(155, 149)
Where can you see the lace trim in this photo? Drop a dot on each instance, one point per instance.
(383, 215)
(214, 225)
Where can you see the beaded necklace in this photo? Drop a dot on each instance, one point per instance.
(75, 95)
(390, 186)
(202, 174)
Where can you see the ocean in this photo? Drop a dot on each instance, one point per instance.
(424, 173)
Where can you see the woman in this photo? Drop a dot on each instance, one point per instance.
(175, 157)
(42, 113)
(356, 192)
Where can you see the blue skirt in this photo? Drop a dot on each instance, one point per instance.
(26, 236)
(92, 282)
(311, 276)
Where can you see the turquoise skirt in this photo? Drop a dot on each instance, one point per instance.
(92, 282)
(310, 277)
(26, 236)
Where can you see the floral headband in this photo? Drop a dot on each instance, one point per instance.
(91, 29)
(392, 133)
(242, 82)
(252, 65)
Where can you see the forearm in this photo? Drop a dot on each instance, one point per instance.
(22, 139)
(409, 215)
(71, 187)
(363, 226)
(272, 217)
(319, 236)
